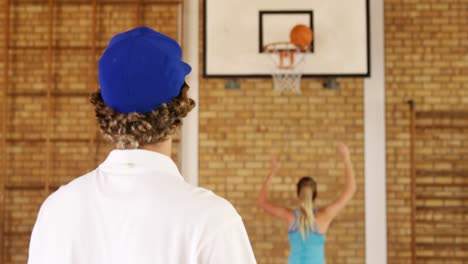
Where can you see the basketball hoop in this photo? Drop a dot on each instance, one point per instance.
(287, 60)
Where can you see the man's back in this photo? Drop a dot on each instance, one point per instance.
(136, 208)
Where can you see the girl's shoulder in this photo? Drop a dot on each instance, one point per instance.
(321, 221)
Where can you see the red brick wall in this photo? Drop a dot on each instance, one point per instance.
(240, 129)
(426, 60)
(70, 122)
(426, 47)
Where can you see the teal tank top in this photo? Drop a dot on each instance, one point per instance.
(308, 251)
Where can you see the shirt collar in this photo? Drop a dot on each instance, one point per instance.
(146, 160)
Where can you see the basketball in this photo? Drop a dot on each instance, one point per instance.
(301, 35)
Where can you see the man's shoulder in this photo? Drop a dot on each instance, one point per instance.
(208, 205)
(77, 185)
(67, 194)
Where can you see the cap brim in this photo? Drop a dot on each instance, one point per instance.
(187, 68)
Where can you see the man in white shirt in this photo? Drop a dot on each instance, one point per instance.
(136, 207)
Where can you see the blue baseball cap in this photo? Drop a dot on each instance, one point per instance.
(140, 70)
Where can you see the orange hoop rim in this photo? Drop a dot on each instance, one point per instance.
(289, 46)
(286, 52)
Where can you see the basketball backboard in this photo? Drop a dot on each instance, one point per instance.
(235, 33)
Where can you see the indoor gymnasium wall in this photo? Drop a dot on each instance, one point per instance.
(427, 61)
(69, 124)
(2, 65)
(241, 129)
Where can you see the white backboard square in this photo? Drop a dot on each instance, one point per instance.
(276, 26)
(233, 36)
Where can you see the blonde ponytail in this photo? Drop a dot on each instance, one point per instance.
(306, 192)
(306, 217)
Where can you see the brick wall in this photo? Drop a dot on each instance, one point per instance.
(234, 155)
(70, 122)
(240, 129)
(426, 47)
(426, 60)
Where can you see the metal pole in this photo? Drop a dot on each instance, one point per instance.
(50, 55)
(4, 175)
(92, 128)
(413, 180)
(138, 19)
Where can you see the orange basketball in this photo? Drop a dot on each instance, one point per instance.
(301, 35)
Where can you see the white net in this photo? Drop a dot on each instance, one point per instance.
(286, 62)
(287, 81)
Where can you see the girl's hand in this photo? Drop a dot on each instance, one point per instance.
(275, 165)
(343, 151)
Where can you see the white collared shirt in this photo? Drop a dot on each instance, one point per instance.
(136, 208)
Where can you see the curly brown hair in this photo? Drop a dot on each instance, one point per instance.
(131, 131)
